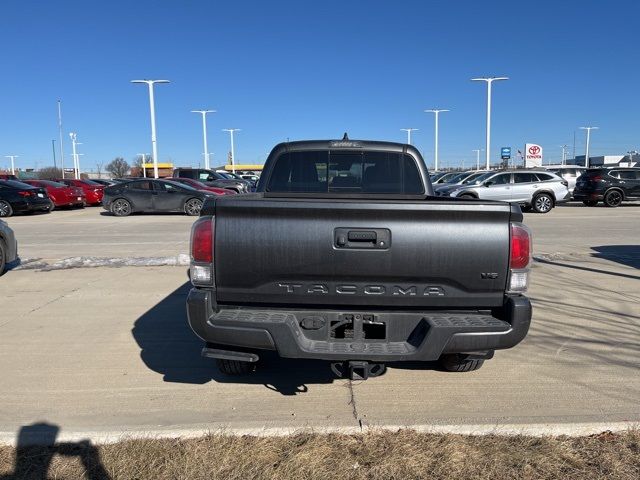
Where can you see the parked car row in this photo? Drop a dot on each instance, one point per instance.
(538, 190)
(214, 179)
(158, 195)
(610, 186)
(17, 197)
(541, 189)
(24, 196)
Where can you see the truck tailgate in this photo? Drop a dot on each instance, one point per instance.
(332, 253)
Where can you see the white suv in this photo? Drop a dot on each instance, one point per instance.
(535, 189)
(570, 173)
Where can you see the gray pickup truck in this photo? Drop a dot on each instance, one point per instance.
(344, 254)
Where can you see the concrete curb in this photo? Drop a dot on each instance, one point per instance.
(534, 430)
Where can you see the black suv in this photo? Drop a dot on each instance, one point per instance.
(212, 178)
(609, 185)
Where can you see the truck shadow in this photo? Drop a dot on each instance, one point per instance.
(36, 447)
(169, 347)
(628, 255)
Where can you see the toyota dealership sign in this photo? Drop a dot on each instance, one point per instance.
(532, 155)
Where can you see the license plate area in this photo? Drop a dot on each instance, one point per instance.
(357, 327)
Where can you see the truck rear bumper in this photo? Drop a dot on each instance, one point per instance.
(381, 336)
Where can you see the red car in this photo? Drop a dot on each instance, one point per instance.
(92, 191)
(60, 194)
(201, 186)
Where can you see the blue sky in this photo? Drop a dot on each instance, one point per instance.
(299, 69)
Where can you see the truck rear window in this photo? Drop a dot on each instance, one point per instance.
(345, 172)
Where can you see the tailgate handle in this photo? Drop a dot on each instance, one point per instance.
(362, 236)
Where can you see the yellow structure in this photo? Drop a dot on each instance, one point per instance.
(243, 167)
(160, 165)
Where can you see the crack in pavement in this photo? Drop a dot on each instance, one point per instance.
(352, 402)
(45, 304)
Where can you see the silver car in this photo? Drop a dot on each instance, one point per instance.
(570, 173)
(533, 189)
(466, 178)
(8, 246)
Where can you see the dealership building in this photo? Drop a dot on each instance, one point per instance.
(631, 160)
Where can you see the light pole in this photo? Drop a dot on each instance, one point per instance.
(564, 154)
(477, 150)
(631, 154)
(76, 155)
(233, 155)
(436, 112)
(13, 167)
(204, 135)
(53, 147)
(152, 109)
(586, 153)
(409, 130)
(489, 81)
(60, 133)
(144, 160)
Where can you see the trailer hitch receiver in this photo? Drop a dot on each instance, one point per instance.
(358, 370)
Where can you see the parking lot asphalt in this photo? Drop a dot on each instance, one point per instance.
(108, 349)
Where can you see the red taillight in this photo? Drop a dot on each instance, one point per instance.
(596, 178)
(520, 246)
(25, 193)
(202, 240)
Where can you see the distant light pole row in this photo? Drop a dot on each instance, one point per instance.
(437, 111)
(154, 144)
(564, 153)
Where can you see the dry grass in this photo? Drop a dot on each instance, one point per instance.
(385, 455)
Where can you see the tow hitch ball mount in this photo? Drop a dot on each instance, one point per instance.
(358, 370)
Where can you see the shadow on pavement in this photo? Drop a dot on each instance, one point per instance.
(625, 254)
(169, 347)
(587, 269)
(575, 204)
(36, 447)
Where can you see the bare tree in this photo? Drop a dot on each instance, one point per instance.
(118, 167)
(99, 168)
(49, 172)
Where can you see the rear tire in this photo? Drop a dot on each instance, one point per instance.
(5, 209)
(121, 207)
(3, 258)
(192, 207)
(613, 198)
(234, 367)
(459, 362)
(590, 203)
(542, 203)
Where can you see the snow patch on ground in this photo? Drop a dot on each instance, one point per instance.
(93, 262)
